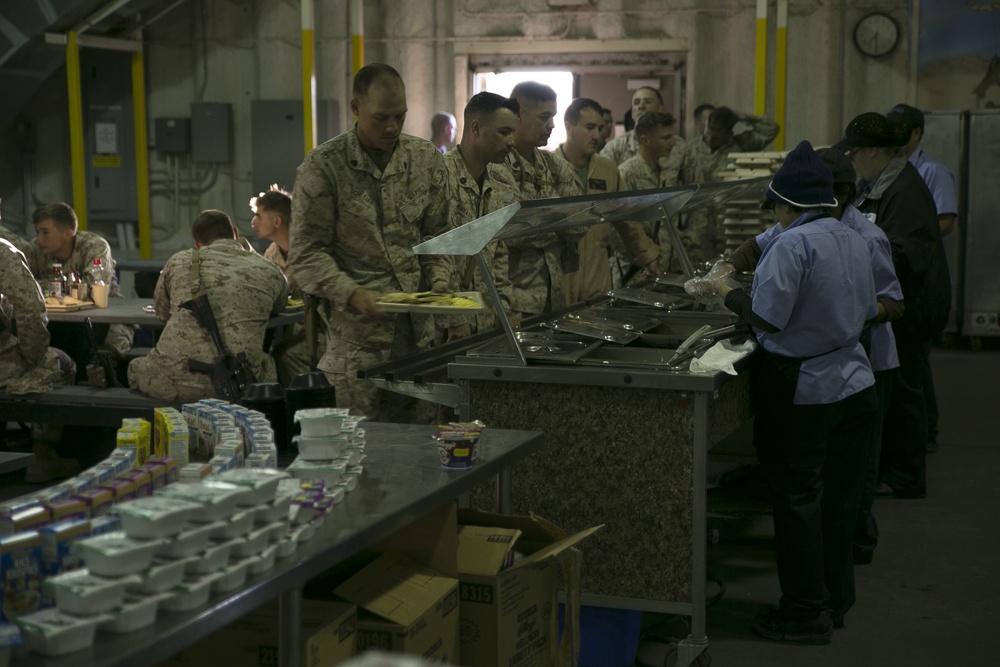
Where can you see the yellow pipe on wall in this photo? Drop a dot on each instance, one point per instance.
(141, 156)
(760, 61)
(357, 36)
(78, 167)
(308, 75)
(357, 53)
(780, 73)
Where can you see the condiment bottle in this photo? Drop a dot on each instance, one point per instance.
(57, 282)
(73, 281)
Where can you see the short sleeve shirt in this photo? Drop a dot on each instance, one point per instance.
(940, 181)
(814, 282)
(882, 354)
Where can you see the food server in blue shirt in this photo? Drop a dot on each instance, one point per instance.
(812, 296)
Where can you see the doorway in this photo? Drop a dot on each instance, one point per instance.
(607, 72)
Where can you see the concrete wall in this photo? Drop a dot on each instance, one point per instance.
(238, 50)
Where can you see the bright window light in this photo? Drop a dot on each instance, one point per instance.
(562, 82)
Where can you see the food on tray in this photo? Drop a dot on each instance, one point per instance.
(63, 301)
(429, 299)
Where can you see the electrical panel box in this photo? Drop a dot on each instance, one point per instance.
(109, 136)
(173, 135)
(212, 132)
(277, 138)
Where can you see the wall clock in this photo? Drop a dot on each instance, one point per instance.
(876, 34)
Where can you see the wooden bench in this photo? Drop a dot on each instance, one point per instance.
(80, 404)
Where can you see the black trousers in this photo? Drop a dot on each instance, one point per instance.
(814, 459)
(902, 464)
(866, 532)
(930, 402)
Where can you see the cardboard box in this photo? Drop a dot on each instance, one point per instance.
(328, 631)
(404, 607)
(508, 607)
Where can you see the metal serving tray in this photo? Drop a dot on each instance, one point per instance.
(601, 330)
(538, 345)
(626, 319)
(650, 298)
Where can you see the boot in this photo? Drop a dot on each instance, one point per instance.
(48, 465)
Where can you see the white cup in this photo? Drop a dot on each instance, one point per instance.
(100, 295)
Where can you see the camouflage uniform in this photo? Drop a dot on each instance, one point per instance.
(27, 363)
(468, 202)
(636, 175)
(537, 263)
(16, 241)
(86, 248)
(354, 226)
(622, 148)
(291, 355)
(244, 290)
(593, 277)
(759, 133)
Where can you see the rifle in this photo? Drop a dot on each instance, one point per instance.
(100, 367)
(231, 374)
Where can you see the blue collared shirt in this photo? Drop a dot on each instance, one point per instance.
(882, 351)
(939, 179)
(814, 282)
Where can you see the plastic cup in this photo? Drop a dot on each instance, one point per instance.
(458, 450)
(100, 295)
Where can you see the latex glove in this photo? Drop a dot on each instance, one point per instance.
(721, 270)
(710, 290)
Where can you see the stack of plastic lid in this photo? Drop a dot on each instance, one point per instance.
(306, 390)
(269, 398)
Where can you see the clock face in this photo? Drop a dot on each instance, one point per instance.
(876, 34)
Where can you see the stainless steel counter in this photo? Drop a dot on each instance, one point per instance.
(403, 480)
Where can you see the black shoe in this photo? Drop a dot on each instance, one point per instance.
(885, 491)
(838, 622)
(932, 446)
(862, 557)
(818, 630)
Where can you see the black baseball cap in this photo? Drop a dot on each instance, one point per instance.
(907, 115)
(873, 130)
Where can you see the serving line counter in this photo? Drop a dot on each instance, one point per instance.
(628, 425)
(402, 481)
(628, 442)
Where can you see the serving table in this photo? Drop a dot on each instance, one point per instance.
(402, 481)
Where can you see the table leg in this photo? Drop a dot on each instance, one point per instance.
(697, 641)
(501, 502)
(290, 628)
